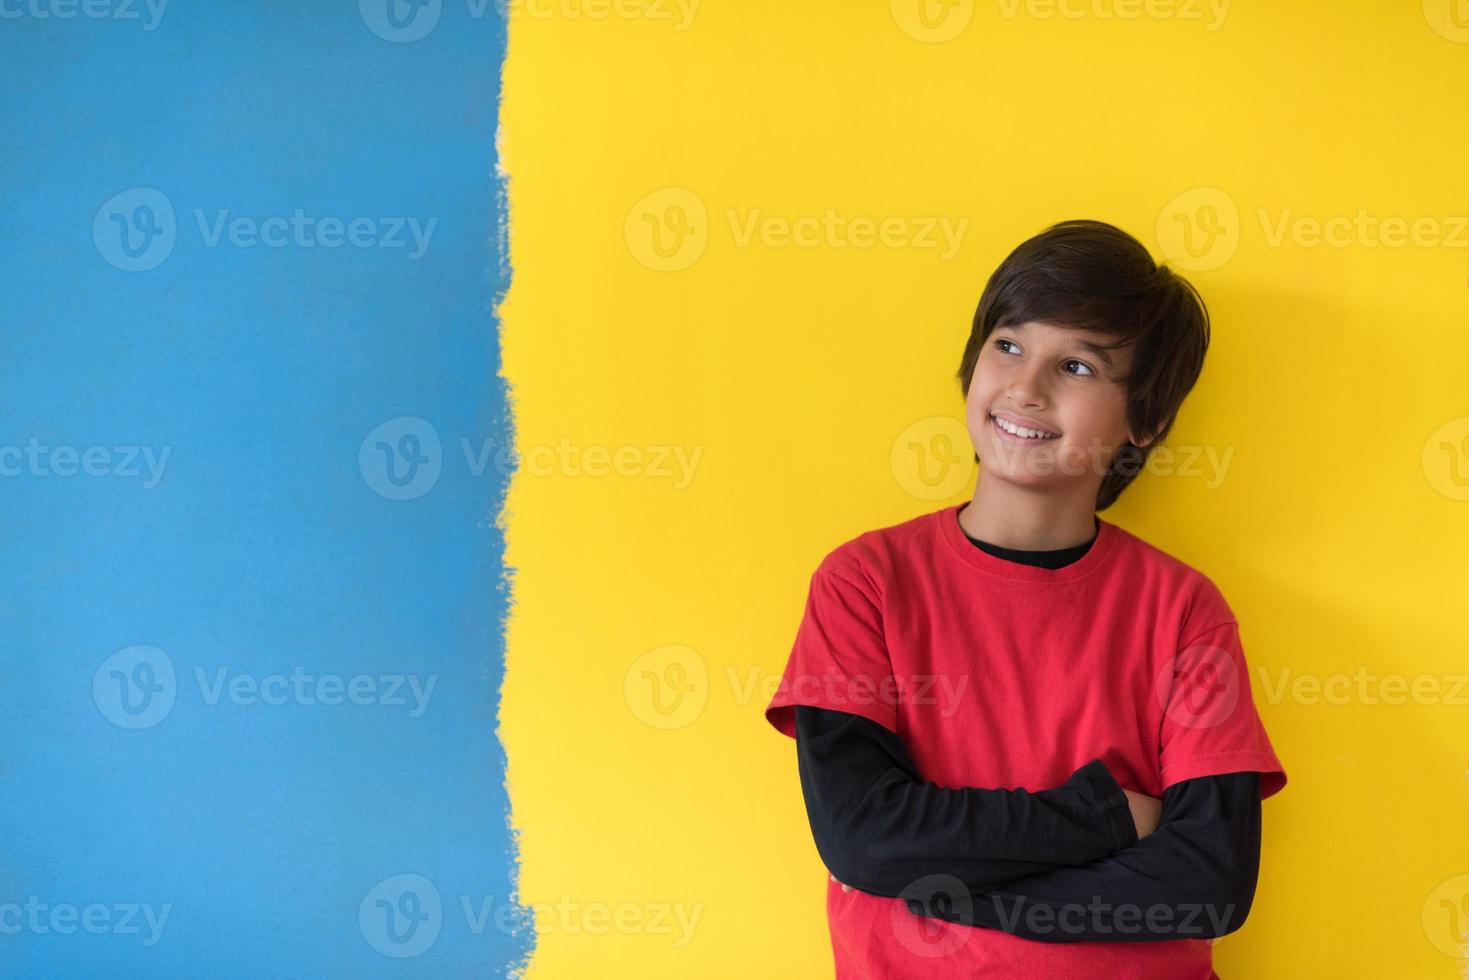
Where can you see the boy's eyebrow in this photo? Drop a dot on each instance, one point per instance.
(1085, 345)
(1101, 352)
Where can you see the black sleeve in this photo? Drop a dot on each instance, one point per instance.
(1192, 878)
(879, 826)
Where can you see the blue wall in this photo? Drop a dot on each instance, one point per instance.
(253, 592)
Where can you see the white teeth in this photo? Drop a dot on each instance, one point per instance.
(1014, 429)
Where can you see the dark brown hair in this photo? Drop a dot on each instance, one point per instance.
(1095, 276)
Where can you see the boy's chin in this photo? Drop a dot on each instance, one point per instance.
(1022, 479)
(1036, 467)
(1043, 458)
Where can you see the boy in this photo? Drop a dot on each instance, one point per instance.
(1025, 737)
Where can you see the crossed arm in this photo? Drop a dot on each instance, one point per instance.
(1059, 865)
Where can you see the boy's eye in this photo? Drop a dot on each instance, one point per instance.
(1086, 368)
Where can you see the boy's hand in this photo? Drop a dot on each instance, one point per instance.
(847, 888)
(1146, 812)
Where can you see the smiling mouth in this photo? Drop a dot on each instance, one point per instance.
(1017, 433)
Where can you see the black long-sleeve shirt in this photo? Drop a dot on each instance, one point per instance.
(1058, 865)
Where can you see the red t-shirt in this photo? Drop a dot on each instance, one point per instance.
(997, 674)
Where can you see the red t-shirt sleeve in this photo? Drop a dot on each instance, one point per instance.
(840, 658)
(1210, 725)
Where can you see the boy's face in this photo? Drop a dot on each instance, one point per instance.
(1044, 377)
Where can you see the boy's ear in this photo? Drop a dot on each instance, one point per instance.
(1142, 440)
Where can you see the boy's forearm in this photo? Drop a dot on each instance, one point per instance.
(1193, 878)
(879, 826)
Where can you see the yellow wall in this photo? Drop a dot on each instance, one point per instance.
(668, 838)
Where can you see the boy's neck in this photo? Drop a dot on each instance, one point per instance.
(1023, 520)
